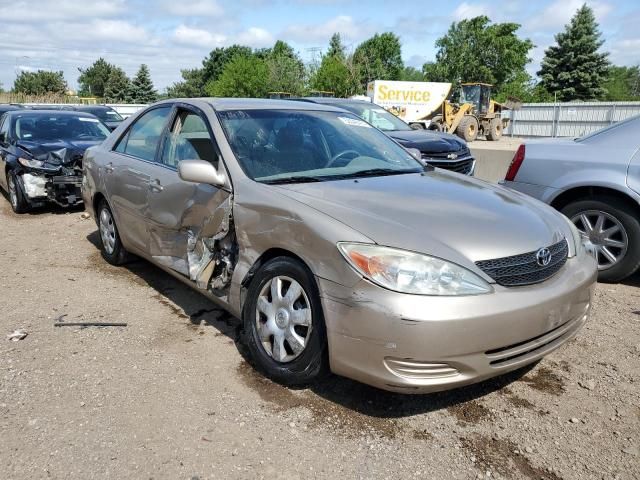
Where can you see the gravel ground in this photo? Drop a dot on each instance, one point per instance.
(171, 396)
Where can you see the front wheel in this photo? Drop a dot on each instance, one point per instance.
(468, 128)
(17, 199)
(284, 327)
(611, 229)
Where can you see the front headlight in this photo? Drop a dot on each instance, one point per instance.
(30, 162)
(409, 272)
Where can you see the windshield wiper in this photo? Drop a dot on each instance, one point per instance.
(300, 179)
(373, 172)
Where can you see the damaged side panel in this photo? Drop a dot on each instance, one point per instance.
(203, 245)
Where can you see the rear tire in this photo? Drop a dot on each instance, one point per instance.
(17, 198)
(468, 128)
(267, 317)
(495, 130)
(614, 210)
(111, 245)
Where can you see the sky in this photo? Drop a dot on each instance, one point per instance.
(169, 35)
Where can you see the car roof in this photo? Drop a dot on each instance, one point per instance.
(82, 108)
(222, 104)
(58, 113)
(335, 101)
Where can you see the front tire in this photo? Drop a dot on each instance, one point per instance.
(17, 198)
(111, 245)
(284, 328)
(613, 229)
(468, 128)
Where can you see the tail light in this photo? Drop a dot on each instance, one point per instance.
(516, 163)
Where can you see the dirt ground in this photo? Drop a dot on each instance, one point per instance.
(171, 396)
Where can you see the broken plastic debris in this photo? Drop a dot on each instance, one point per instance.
(17, 335)
(85, 215)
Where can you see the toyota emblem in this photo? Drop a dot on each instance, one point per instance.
(543, 257)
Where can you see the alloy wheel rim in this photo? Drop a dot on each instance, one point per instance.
(13, 196)
(604, 235)
(283, 319)
(107, 231)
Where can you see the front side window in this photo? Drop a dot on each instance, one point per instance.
(144, 135)
(41, 127)
(286, 146)
(189, 139)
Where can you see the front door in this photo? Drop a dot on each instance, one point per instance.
(188, 222)
(128, 175)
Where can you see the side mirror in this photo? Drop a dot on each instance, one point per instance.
(415, 153)
(200, 171)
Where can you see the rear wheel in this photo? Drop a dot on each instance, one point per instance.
(611, 229)
(17, 199)
(468, 128)
(112, 249)
(495, 129)
(284, 327)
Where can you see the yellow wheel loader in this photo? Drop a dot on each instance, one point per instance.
(472, 113)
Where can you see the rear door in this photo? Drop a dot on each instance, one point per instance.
(187, 219)
(128, 174)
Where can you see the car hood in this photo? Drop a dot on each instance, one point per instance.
(37, 149)
(442, 214)
(428, 141)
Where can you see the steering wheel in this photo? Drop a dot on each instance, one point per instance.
(338, 156)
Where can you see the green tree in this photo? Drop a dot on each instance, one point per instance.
(142, 90)
(379, 58)
(336, 48)
(40, 83)
(243, 76)
(218, 58)
(336, 75)
(574, 68)
(623, 84)
(475, 50)
(286, 70)
(410, 74)
(92, 80)
(118, 86)
(191, 86)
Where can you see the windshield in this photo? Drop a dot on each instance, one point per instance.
(287, 146)
(106, 115)
(376, 116)
(46, 127)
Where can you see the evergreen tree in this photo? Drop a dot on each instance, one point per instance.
(92, 80)
(117, 86)
(574, 69)
(336, 48)
(41, 82)
(142, 90)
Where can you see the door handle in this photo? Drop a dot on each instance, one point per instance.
(109, 167)
(155, 186)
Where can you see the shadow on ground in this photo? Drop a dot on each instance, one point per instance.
(357, 397)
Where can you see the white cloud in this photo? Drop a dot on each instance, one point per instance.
(559, 13)
(345, 25)
(33, 11)
(625, 52)
(254, 37)
(194, 8)
(185, 35)
(466, 10)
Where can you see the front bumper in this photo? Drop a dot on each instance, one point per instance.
(64, 190)
(418, 344)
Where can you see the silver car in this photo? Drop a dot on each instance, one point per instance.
(595, 181)
(335, 246)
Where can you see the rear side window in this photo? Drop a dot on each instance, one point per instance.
(144, 135)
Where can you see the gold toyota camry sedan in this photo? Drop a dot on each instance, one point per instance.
(337, 248)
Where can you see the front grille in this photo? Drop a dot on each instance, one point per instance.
(67, 180)
(523, 269)
(462, 163)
